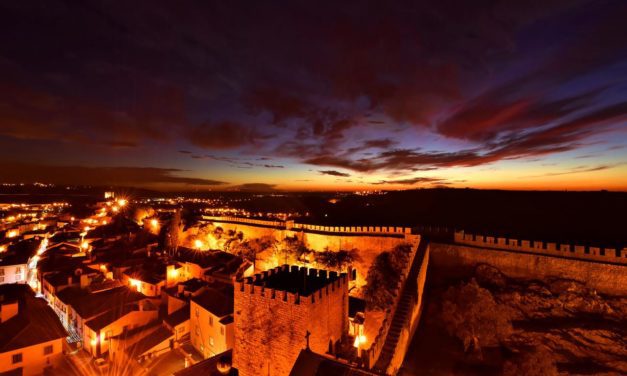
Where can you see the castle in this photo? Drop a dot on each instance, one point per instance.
(284, 310)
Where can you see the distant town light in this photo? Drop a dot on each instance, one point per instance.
(154, 223)
(122, 202)
(12, 234)
(198, 244)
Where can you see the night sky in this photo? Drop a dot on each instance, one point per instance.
(315, 95)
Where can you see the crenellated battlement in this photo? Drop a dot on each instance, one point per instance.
(291, 225)
(294, 284)
(590, 253)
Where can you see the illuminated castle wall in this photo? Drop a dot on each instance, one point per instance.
(604, 270)
(369, 240)
(607, 255)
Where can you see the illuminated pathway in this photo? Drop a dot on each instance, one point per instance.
(32, 267)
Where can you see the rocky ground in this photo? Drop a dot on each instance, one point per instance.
(584, 331)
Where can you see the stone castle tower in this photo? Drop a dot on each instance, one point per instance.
(281, 311)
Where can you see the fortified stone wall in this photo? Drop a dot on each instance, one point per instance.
(298, 227)
(251, 231)
(271, 325)
(369, 240)
(374, 238)
(458, 259)
(606, 255)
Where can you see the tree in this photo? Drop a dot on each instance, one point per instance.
(172, 235)
(249, 249)
(399, 256)
(471, 314)
(292, 249)
(384, 275)
(233, 241)
(381, 281)
(339, 260)
(536, 363)
(217, 232)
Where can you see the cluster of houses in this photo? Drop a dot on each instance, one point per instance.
(102, 286)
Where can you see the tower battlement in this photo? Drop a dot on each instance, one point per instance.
(294, 284)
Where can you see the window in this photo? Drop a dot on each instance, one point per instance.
(210, 320)
(17, 358)
(2, 271)
(48, 350)
(222, 330)
(18, 270)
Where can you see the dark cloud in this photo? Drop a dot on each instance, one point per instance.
(273, 166)
(81, 175)
(566, 136)
(334, 173)
(576, 170)
(223, 135)
(412, 181)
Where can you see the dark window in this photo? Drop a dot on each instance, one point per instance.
(48, 350)
(17, 358)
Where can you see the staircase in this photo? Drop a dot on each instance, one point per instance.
(402, 315)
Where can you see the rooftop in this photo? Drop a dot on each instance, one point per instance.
(112, 315)
(177, 317)
(35, 322)
(148, 342)
(311, 364)
(88, 304)
(213, 260)
(217, 301)
(209, 367)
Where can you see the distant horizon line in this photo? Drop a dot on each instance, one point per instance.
(43, 186)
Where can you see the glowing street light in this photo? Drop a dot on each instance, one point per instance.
(154, 223)
(198, 244)
(122, 202)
